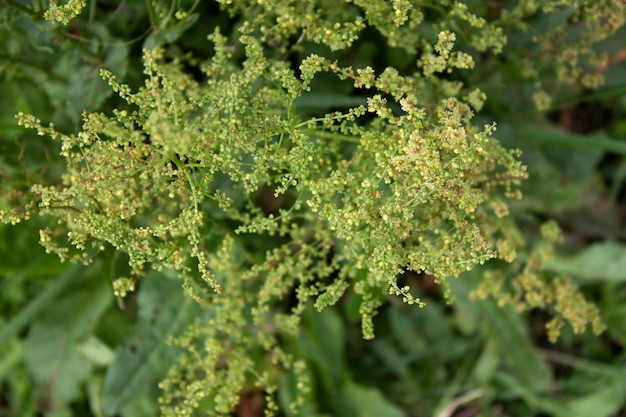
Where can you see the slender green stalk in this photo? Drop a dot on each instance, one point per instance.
(154, 23)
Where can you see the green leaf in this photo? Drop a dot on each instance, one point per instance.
(466, 311)
(368, 402)
(170, 34)
(550, 136)
(511, 342)
(144, 359)
(607, 399)
(322, 343)
(52, 353)
(487, 365)
(79, 86)
(424, 332)
(40, 302)
(394, 360)
(324, 340)
(94, 386)
(531, 398)
(10, 356)
(96, 351)
(613, 314)
(599, 262)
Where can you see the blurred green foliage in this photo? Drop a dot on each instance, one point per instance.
(69, 347)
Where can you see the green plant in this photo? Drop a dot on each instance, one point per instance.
(214, 170)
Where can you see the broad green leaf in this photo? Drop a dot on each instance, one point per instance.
(561, 165)
(466, 311)
(52, 354)
(506, 330)
(74, 84)
(531, 398)
(422, 332)
(468, 317)
(607, 399)
(351, 304)
(96, 351)
(322, 344)
(407, 327)
(550, 136)
(94, 386)
(487, 365)
(170, 34)
(613, 315)
(144, 359)
(394, 360)
(323, 341)
(369, 402)
(10, 355)
(41, 301)
(604, 261)
(457, 387)
(547, 189)
(540, 23)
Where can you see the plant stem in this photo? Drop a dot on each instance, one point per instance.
(152, 15)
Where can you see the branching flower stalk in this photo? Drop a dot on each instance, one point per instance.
(404, 183)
